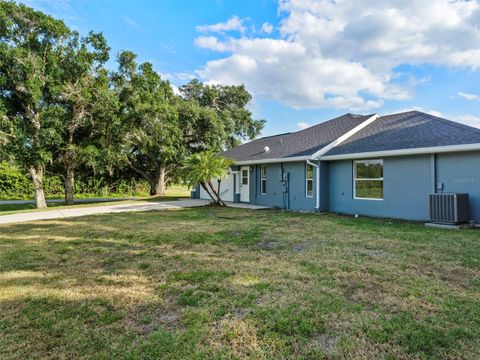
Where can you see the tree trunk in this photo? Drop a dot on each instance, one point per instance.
(219, 200)
(219, 183)
(144, 175)
(204, 186)
(158, 185)
(69, 184)
(37, 177)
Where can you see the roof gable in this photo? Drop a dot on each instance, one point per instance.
(297, 144)
(350, 134)
(408, 130)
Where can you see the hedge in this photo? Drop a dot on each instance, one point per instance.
(16, 185)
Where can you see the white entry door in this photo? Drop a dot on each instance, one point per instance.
(245, 184)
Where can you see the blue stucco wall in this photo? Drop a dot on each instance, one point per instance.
(295, 199)
(324, 186)
(407, 183)
(460, 173)
(195, 193)
(274, 195)
(408, 180)
(298, 198)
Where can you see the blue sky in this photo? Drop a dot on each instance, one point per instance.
(304, 61)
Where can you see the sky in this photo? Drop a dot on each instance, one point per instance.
(303, 61)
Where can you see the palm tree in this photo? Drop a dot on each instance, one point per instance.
(201, 168)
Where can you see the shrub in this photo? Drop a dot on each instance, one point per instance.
(13, 183)
(16, 184)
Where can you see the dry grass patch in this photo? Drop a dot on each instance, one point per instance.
(234, 283)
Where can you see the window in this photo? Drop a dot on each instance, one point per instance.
(263, 179)
(244, 177)
(368, 179)
(309, 180)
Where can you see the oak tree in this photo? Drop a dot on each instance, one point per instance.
(30, 67)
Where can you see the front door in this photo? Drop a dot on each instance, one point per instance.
(245, 184)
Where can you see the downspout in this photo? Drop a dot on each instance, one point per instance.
(317, 194)
(433, 170)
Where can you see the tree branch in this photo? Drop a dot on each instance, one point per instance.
(140, 172)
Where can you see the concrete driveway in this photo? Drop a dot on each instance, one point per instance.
(113, 208)
(101, 209)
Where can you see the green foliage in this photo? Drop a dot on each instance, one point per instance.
(5, 129)
(16, 185)
(148, 131)
(202, 167)
(215, 117)
(85, 96)
(63, 114)
(30, 42)
(13, 183)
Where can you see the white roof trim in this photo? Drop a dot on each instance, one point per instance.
(344, 137)
(399, 152)
(275, 160)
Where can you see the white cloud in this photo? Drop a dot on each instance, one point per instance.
(232, 24)
(343, 54)
(175, 90)
(303, 125)
(435, 113)
(131, 22)
(179, 77)
(267, 28)
(471, 120)
(285, 71)
(469, 96)
(211, 43)
(418, 108)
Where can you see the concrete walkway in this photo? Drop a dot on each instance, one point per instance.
(115, 208)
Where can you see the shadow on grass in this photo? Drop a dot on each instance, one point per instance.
(211, 282)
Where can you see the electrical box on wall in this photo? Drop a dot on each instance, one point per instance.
(439, 186)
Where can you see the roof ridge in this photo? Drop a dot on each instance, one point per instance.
(452, 123)
(366, 121)
(298, 145)
(404, 112)
(354, 116)
(417, 129)
(271, 136)
(449, 122)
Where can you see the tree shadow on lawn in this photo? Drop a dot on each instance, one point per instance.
(198, 283)
(96, 287)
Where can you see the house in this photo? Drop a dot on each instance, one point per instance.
(383, 166)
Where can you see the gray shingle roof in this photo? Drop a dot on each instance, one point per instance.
(301, 143)
(407, 130)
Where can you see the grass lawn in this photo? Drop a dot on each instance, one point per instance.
(233, 283)
(172, 193)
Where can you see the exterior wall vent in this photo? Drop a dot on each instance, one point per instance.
(449, 208)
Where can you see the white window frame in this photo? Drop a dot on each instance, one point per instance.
(263, 178)
(307, 179)
(366, 179)
(242, 171)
